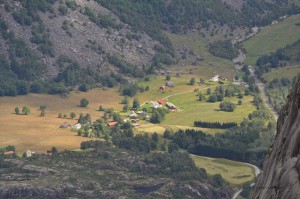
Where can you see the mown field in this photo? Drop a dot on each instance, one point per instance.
(233, 172)
(160, 129)
(190, 110)
(286, 72)
(271, 38)
(41, 133)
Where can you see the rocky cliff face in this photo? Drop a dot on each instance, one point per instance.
(281, 172)
(73, 34)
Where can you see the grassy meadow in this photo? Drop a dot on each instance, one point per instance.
(181, 85)
(271, 38)
(211, 64)
(235, 173)
(41, 133)
(190, 110)
(160, 129)
(286, 72)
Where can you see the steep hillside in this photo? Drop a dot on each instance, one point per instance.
(80, 30)
(280, 178)
(77, 43)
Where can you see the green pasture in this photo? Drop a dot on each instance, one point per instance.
(233, 172)
(286, 72)
(181, 85)
(271, 38)
(190, 110)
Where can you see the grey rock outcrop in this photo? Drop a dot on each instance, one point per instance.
(281, 172)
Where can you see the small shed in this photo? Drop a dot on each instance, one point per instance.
(29, 153)
(170, 83)
(65, 125)
(76, 126)
(162, 88)
(135, 120)
(171, 106)
(132, 114)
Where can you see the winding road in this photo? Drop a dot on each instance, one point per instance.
(257, 171)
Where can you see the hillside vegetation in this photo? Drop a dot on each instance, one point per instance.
(271, 38)
(75, 43)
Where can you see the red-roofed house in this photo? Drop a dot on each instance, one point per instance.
(112, 124)
(160, 101)
(9, 153)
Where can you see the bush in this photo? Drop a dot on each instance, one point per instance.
(25, 110)
(84, 102)
(192, 81)
(227, 106)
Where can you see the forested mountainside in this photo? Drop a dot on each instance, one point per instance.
(52, 46)
(280, 178)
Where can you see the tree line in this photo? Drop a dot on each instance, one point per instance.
(217, 125)
(240, 143)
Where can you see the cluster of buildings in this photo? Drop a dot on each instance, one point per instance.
(160, 103)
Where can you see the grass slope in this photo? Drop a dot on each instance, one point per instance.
(211, 64)
(286, 72)
(271, 38)
(41, 133)
(233, 172)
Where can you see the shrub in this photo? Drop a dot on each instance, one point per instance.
(227, 106)
(84, 102)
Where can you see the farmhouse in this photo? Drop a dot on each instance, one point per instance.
(155, 105)
(171, 106)
(170, 84)
(214, 78)
(65, 125)
(160, 101)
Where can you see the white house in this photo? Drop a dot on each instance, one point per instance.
(155, 105)
(215, 78)
(76, 126)
(29, 153)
